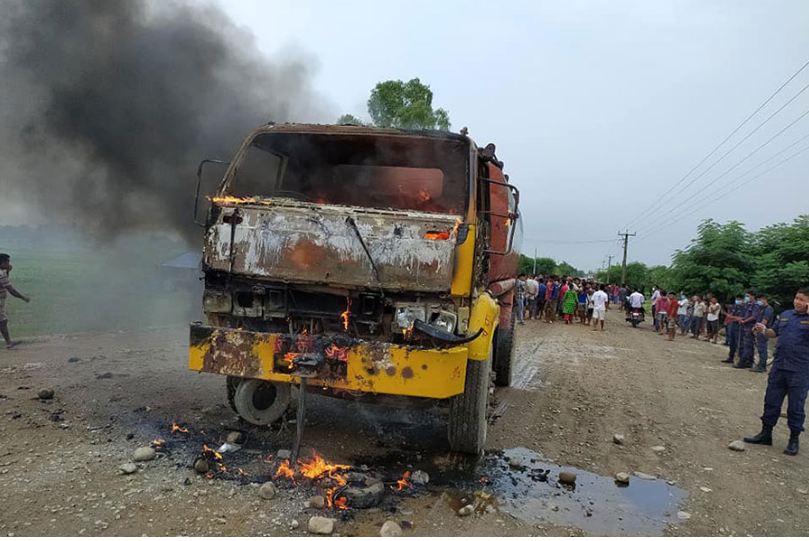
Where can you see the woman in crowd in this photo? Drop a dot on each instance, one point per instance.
(569, 303)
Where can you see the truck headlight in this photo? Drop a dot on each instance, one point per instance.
(446, 321)
(217, 302)
(405, 314)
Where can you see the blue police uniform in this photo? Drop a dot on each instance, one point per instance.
(789, 376)
(765, 315)
(746, 340)
(732, 331)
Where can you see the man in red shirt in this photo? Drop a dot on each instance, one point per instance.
(673, 307)
(661, 312)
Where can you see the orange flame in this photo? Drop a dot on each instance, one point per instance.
(284, 470)
(403, 483)
(232, 200)
(211, 453)
(289, 358)
(437, 235)
(177, 428)
(345, 316)
(408, 332)
(159, 442)
(424, 196)
(317, 468)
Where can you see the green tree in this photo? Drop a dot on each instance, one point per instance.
(781, 260)
(350, 119)
(719, 260)
(659, 276)
(409, 105)
(544, 265)
(566, 269)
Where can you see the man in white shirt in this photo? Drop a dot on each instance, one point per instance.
(636, 299)
(600, 301)
(531, 291)
(655, 296)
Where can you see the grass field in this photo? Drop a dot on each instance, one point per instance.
(77, 286)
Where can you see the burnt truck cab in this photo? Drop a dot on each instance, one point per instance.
(365, 262)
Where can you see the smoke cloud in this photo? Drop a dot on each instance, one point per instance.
(108, 106)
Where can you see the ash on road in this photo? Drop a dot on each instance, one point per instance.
(676, 406)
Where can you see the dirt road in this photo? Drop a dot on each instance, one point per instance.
(675, 404)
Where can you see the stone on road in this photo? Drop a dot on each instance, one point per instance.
(144, 454)
(321, 525)
(390, 529)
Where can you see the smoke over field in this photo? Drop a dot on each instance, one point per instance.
(108, 105)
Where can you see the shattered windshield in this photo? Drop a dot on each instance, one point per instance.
(400, 172)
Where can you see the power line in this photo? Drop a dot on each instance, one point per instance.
(655, 204)
(558, 241)
(738, 144)
(732, 188)
(734, 166)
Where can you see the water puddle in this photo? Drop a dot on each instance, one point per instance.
(521, 483)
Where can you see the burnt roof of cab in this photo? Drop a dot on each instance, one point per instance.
(350, 129)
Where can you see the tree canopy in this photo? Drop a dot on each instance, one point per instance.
(726, 259)
(350, 119)
(398, 104)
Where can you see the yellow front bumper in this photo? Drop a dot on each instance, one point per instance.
(373, 367)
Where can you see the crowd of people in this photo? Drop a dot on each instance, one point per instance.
(571, 299)
(700, 315)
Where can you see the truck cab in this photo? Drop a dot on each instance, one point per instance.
(363, 262)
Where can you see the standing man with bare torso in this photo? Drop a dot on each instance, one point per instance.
(5, 289)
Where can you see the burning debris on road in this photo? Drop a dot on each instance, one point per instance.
(343, 486)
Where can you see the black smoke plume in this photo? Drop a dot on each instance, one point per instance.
(108, 105)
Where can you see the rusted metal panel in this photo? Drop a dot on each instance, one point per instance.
(363, 366)
(304, 243)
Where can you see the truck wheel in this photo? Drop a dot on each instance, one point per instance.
(504, 355)
(261, 402)
(467, 412)
(232, 382)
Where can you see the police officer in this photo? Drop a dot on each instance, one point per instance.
(765, 317)
(732, 330)
(789, 376)
(749, 314)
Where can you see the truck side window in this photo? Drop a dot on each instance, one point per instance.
(258, 173)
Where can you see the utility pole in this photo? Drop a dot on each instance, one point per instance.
(535, 261)
(609, 267)
(626, 234)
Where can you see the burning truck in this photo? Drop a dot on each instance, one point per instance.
(362, 263)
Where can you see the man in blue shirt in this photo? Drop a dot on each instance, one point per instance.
(749, 314)
(733, 328)
(765, 316)
(789, 376)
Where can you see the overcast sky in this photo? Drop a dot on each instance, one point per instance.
(596, 107)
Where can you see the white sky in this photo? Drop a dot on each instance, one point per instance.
(596, 107)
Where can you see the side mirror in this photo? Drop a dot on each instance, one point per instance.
(200, 167)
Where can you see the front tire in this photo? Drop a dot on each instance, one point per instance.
(468, 411)
(261, 402)
(635, 323)
(504, 354)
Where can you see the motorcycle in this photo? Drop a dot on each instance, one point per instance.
(635, 316)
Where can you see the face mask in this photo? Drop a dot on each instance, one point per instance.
(747, 298)
(760, 303)
(738, 301)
